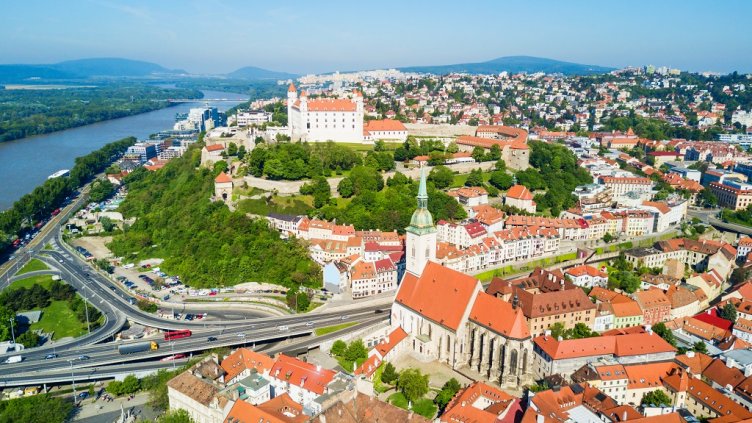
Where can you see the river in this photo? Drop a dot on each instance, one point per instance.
(26, 163)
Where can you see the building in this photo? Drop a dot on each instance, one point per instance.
(223, 187)
(303, 382)
(242, 362)
(586, 276)
(624, 185)
(143, 151)
(470, 196)
(420, 236)
(197, 391)
(512, 143)
(593, 197)
(253, 117)
(553, 356)
(520, 197)
(655, 306)
(324, 119)
(480, 402)
(732, 194)
(386, 129)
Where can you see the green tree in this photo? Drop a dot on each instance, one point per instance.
(447, 392)
(389, 375)
(478, 154)
(608, 238)
(107, 224)
(37, 408)
(728, 312)
(475, 178)
(413, 384)
(6, 315)
(656, 398)
(219, 167)
(441, 176)
(501, 180)
(356, 351)
(175, 416)
(101, 189)
(346, 188)
(338, 349)
(661, 330)
(557, 330)
(700, 347)
(28, 339)
(232, 149)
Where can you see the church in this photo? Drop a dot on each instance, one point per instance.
(324, 119)
(449, 318)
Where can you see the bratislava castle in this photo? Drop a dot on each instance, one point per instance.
(322, 119)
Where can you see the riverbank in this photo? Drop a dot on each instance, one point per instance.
(27, 162)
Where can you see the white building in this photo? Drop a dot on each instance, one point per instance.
(324, 119)
(587, 276)
(253, 117)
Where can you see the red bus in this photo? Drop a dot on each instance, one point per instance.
(176, 334)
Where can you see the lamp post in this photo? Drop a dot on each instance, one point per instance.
(242, 336)
(12, 333)
(73, 381)
(86, 309)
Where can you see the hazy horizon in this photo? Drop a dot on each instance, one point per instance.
(301, 37)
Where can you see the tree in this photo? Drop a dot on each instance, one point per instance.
(656, 398)
(739, 275)
(706, 198)
(101, 189)
(338, 349)
(478, 154)
(175, 416)
(700, 347)
(661, 330)
(475, 178)
(219, 167)
(413, 384)
(379, 145)
(107, 224)
(37, 408)
(448, 391)
(441, 176)
(232, 149)
(346, 188)
(356, 351)
(501, 180)
(389, 375)
(728, 312)
(28, 339)
(608, 238)
(557, 330)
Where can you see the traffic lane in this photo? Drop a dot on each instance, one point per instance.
(199, 340)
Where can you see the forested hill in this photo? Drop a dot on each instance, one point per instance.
(202, 241)
(512, 64)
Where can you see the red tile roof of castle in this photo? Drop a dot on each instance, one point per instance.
(420, 294)
(329, 105)
(384, 125)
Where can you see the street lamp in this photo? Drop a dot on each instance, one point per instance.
(86, 309)
(73, 381)
(242, 336)
(12, 333)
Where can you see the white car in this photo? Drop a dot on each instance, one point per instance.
(283, 328)
(309, 324)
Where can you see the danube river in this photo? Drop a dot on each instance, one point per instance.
(27, 162)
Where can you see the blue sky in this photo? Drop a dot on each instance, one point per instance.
(315, 36)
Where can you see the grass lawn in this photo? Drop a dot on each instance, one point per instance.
(59, 318)
(507, 270)
(296, 205)
(397, 399)
(459, 180)
(425, 407)
(314, 305)
(44, 280)
(348, 365)
(32, 266)
(329, 329)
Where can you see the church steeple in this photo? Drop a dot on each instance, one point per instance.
(421, 234)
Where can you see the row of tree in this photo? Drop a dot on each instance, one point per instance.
(51, 194)
(294, 161)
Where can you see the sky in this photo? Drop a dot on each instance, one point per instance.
(322, 36)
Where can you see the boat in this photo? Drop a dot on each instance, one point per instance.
(59, 173)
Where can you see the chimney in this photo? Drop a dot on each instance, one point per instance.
(624, 416)
(540, 419)
(690, 354)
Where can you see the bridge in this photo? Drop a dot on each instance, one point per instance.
(198, 100)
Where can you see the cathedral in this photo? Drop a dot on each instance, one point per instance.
(449, 318)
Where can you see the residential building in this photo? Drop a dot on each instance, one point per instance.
(520, 197)
(732, 194)
(303, 382)
(586, 276)
(622, 186)
(655, 305)
(386, 129)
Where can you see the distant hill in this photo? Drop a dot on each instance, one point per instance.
(113, 67)
(252, 72)
(512, 64)
(27, 73)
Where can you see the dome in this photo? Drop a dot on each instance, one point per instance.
(421, 219)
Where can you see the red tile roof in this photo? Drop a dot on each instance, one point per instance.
(384, 125)
(711, 316)
(242, 359)
(499, 316)
(222, 178)
(519, 192)
(280, 409)
(302, 374)
(620, 346)
(420, 294)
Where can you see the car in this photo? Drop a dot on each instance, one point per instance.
(83, 357)
(83, 395)
(211, 338)
(283, 328)
(345, 317)
(378, 311)
(241, 335)
(50, 356)
(309, 324)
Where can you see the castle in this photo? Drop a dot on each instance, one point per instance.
(323, 119)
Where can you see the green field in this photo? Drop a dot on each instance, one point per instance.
(459, 179)
(32, 266)
(330, 329)
(44, 280)
(388, 146)
(424, 406)
(59, 318)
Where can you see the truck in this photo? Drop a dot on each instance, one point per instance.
(138, 347)
(14, 359)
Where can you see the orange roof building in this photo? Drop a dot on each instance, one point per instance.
(242, 361)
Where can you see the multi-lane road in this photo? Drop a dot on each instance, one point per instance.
(102, 358)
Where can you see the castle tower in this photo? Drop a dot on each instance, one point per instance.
(421, 234)
(292, 97)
